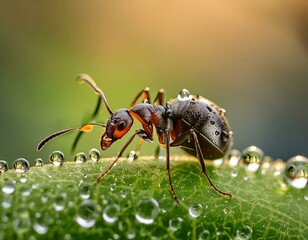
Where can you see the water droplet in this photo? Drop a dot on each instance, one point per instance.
(234, 172)
(306, 197)
(112, 187)
(252, 157)
(195, 210)
(41, 223)
(56, 158)
(59, 202)
(7, 201)
(132, 156)
(130, 234)
(80, 157)
(21, 165)
(175, 223)
(184, 95)
(147, 210)
(94, 154)
(244, 233)
(3, 166)
(38, 162)
(205, 235)
(123, 193)
(22, 221)
(296, 171)
(233, 157)
(278, 167)
(111, 213)
(87, 214)
(266, 164)
(218, 162)
(8, 187)
(25, 190)
(85, 191)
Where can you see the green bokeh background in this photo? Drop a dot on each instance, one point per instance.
(250, 57)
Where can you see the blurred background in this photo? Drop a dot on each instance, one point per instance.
(250, 57)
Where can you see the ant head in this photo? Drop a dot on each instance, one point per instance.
(117, 126)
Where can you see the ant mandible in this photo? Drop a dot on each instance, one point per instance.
(194, 123)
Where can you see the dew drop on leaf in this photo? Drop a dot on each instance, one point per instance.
(204, 235)
(296, 171)
(59, 202)
(111, 213)
(94, 154)
(234, 172)
(175, 223)
(252, 158)
(38, 162)
(21, 165)
(85, 191)
(195, 210)
(8, 187)
(80, 157)
(132, 156)
(3, 166)
(56, 158)
(22, 222)
(233, 157)
(244, 233)
(147, 210)
(184, 95)
(87, 214)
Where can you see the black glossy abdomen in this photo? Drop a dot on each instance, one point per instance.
(208, 121)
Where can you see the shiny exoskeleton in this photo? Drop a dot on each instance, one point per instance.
(190, 122)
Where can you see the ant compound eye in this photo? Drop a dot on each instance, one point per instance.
(121, 125)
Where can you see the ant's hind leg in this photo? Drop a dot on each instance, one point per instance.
(159, 99)
(146, 97)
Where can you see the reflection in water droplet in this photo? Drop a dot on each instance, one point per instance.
(195, 210)
(147, 210)
(59, 202)
(132, 156)
(175, 223)
(21, 165)
(296, 171)
(3, 166)
(218, 162)
(205, 235)
(252, 157)
(56, 158)
(38, 162)
(80, 157)
(87, 214)
(184, 95)
(94, 154)
(244, 233)
(8, 187)
(233, 157)
(111, 213)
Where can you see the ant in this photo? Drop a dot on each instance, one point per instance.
(195, 124)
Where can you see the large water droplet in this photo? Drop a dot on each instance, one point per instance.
(94, 154)
(147, 210)
(252, 157)
(296, 171)
(175, 223)
(80, 157)
(21, 165)
(38, 162)
(41, 223)
(3, 166)
(195, 210)
(111, 213)
(56, 158)
(184, 95)
(8, 187)
(244, 233)
(132, 156)
(233, 157)
(87, 214)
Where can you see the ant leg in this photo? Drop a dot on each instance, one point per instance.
(141, 133)
(159, 99)
(182, 138)
(146, 96)
(167, 134)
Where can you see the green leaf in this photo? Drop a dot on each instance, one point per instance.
(66, 203)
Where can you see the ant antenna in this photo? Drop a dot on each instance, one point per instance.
(86, 78)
